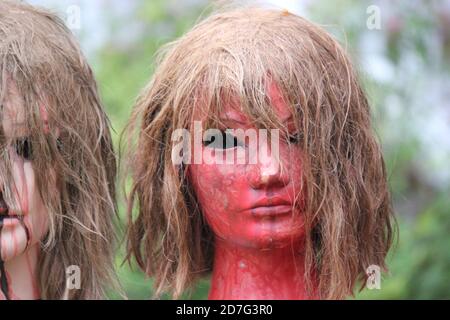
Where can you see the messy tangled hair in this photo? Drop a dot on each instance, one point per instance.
(348, 217)
(40, 57)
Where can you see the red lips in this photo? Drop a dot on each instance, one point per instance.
(273, 201)
(270, 207)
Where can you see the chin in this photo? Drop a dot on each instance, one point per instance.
(278, 233)
(14, 236)
(269, 239)
(277, 240)
(12, 247)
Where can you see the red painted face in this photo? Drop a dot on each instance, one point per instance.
(255, 205)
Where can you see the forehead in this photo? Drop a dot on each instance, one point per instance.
(231, 110)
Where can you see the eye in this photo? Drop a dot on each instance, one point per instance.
(59, 144)
(24, 148)
(221, 140)
(294, 138)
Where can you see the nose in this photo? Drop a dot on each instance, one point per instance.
(269, 172)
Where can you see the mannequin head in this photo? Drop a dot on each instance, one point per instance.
(259, 69)
(255, 205)
(56, 158)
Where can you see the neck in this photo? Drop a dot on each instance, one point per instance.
(18, 276)
(249, 273)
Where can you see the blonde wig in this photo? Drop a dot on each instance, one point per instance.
(41, 59)
(232, 55)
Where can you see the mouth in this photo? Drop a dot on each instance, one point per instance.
(269, 211)
(271, 207)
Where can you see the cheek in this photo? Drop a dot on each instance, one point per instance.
(219, 190)
(213, 186)
(294, 164)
